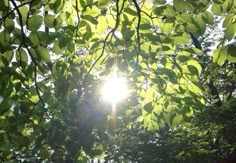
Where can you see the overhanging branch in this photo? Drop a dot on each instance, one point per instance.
(9, 13)
(118, 11)
(23, 37)
(137, 29)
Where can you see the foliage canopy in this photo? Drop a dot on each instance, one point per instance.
(54, 55)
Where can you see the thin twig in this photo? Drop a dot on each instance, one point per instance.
(9, 13)
(29, 52)
(137, 29)
(78, 19)
(118, 11)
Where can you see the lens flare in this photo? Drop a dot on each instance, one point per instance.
(114, 90)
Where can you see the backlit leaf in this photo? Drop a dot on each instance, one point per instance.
(102, 24)
(216, 9)
(43, 53)
(194, 67)
(159, 2)
(34, 98)
(130, 11)
(220, 55)
(208, 17)
(228, 20)
(148, 107)
(181, 38)
(230, 31)
(22, 56)
(179, 5)
(48, 20)
(167, 26)
(103, 2)
(24, 12)
(35, 22)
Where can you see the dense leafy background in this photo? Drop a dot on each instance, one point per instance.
(178, 57)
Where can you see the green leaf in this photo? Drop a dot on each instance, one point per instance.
(148, 107)
(230, 31)
(193, 27)
(102, 24)
(159, 2)
(220, 55)
(48, 20)
(168, 72)
(127, 33)
(232, 53)
(92, 11)
(227, 5)
(176, 119)
(181, 38)
(35, 22)
(90, 19)
(9, 25)
(110, 21)
(145, 27)
(139, 119)
(43, 53)
(200, 24)
(63, 41)
(218, 1)
(56, 47)
(56, 5)
(34, 38)
(192, 69)
(5, 105)
(44, 152)
(57, 22)
(208, 17)
(4, 5)
(103, 2)
(6, 58)
(89, 2)
(24, 12)
(70, 20)
(99, 151)
(193, 51)
(216, 9)
(167, 26)
(186, 17)
(34, 98)
(44, 38)
(228, 20)
(152, 125)
(169, 11)
(179, 5)
(183, 58)
(21, 56)
(130, 11)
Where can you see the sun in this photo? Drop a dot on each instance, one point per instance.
(114, 89)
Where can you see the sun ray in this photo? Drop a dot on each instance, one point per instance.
(114, 90)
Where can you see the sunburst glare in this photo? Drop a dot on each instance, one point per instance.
(115, 89)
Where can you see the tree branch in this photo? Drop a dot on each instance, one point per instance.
(23, 37)
(137, 29)
(9, 13)
(214, 92)
(77, 13)
(118, 11)
(195, 41)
